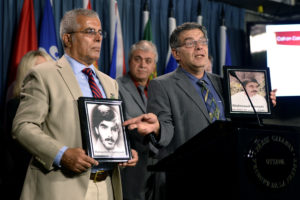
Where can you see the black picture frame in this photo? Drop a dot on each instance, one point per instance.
(100, 120)
(237, 103)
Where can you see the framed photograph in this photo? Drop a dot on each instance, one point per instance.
(247, 92)
(103, 136)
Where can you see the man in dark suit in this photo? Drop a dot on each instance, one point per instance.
(177, 98)
(133, 88)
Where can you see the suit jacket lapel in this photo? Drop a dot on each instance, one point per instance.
(68, 76)
(130, 87)
(107, 86)
(185, 84)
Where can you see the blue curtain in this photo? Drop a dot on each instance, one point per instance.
(131, 17)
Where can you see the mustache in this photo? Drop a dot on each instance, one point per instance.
(109, 140)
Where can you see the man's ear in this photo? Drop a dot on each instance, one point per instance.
(175, 54)
(97, 131)
(67, 40)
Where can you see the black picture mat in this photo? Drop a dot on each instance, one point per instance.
(240, 114)
(86, 129)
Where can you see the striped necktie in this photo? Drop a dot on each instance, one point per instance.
(94, 88)
(210, 102)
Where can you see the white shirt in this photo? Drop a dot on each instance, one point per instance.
(240, 102)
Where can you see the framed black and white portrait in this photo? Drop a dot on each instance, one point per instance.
(104, 138)
(246, 91)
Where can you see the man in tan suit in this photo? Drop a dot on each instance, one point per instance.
(47, 121)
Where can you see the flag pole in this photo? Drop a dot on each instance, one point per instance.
(222, 43)
(117, 67)
(145, 16)
(199, 16)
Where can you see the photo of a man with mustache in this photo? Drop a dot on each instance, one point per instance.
(106, 130)
(240, 101)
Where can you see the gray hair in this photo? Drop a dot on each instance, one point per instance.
(69, 23)
(174, 38)
(144, 45)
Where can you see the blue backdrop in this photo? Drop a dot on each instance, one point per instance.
(131, 18)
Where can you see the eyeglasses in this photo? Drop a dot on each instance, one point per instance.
(189, 43)
(91, 32)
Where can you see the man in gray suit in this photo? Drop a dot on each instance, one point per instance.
(47, 121)
(133, 89)
(176, 107)
(177, 99)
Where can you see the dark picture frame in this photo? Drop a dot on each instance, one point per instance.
(103, 136)
(256, 82)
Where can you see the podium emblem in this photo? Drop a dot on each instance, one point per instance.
(272, 161)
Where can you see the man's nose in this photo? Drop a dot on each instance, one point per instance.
(98, 37)
(142, 62)
(198, 45)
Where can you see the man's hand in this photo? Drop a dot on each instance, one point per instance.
(76, 160)
(133, 161)
(273, 97)
(145, 124)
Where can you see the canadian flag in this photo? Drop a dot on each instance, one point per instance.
(26, 38)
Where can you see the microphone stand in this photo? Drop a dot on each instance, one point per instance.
(232, 73)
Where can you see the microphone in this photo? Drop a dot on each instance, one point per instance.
(232, 73)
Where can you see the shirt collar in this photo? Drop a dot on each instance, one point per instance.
(137, 84)
(77, 66)
(193, 78)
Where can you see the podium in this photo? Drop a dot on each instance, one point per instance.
(230, 160)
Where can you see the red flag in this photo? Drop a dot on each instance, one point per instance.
(26, 39)
(87, 4)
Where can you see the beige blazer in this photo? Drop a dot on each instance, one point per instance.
(47, 119)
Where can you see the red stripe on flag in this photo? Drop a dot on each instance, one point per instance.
(89, 5)
(26, 38)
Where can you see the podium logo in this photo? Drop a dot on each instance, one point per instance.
(275, 161)
(272, 161)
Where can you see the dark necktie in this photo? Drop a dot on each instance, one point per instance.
(142, 93)
(94, 88)
(210, 102)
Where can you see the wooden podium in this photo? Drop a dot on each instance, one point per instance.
(231, 160)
